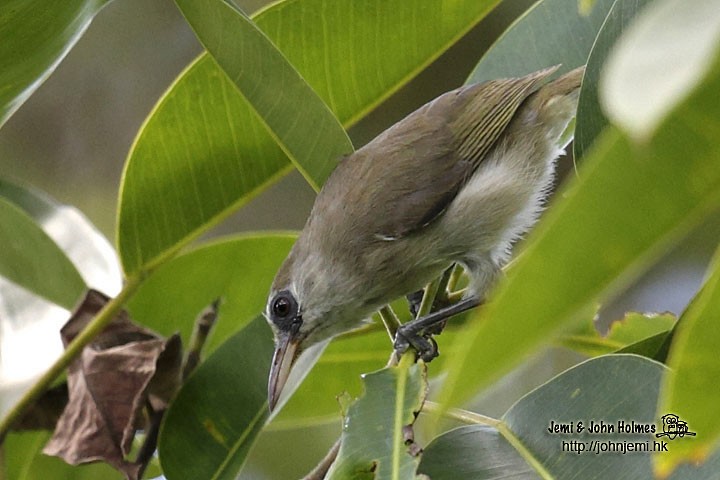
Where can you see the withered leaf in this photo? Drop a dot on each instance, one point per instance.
(108, 388)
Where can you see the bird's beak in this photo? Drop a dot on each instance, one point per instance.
(287, 350)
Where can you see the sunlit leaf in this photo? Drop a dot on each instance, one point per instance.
(203, 153)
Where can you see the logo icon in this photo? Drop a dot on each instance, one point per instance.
(673, 427)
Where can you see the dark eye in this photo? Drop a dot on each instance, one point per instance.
(284, 310)
(281, 307)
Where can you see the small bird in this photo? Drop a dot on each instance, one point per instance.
(457, 181)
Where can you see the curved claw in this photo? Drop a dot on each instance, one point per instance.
(425, 346)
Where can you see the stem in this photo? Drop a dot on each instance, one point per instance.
(203, 324)
(97, 325)
(455, 276)
(390, 320)
(464, 416)
(322, 468)
(429, 298)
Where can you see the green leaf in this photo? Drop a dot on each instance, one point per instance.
(32, 260)
(634, 327)
(238, 270)
(658, 62)
(357, 56)
(203, 153)
(604, 230)
(24, 460)
(610, 389)
(591, 120)
(552, 32)
(215, 418)
(83, 244)
(476, 452)
(296, 117)
(373, 442)
(690, 389)
(36, 36)
(191, 166)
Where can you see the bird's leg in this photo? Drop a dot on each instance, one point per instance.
(414, 333)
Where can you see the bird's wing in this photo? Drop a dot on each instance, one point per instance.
(438, 148)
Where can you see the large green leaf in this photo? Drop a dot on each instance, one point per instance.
(373, 439)
(356, 54)
(591, 120)
(203, 152)
(658, 62)
(295, 116)
(690, 389)
(552, 32)
(605, 229)
(610, 390)
(36, 36)
(32, 260)
(238, 270)
(213, 421)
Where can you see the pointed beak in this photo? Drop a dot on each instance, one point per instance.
(286, 352)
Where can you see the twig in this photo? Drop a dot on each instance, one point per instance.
(149, 444)
(203, 324)
(390, 320)
(322, 468)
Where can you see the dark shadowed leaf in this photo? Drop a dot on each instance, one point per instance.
(477, 452)
(552, 32)
(591, 120)
(36, 37)
(375, 442)
(222, 407)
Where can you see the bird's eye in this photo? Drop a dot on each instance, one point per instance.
(284, 310)
(281, 307)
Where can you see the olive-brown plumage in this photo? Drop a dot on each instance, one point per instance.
(455, 181)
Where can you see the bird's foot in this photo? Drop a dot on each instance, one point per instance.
(425, 346)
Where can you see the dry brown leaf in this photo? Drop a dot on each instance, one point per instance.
(124, 369)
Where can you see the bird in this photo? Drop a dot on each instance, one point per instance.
(457, 181)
